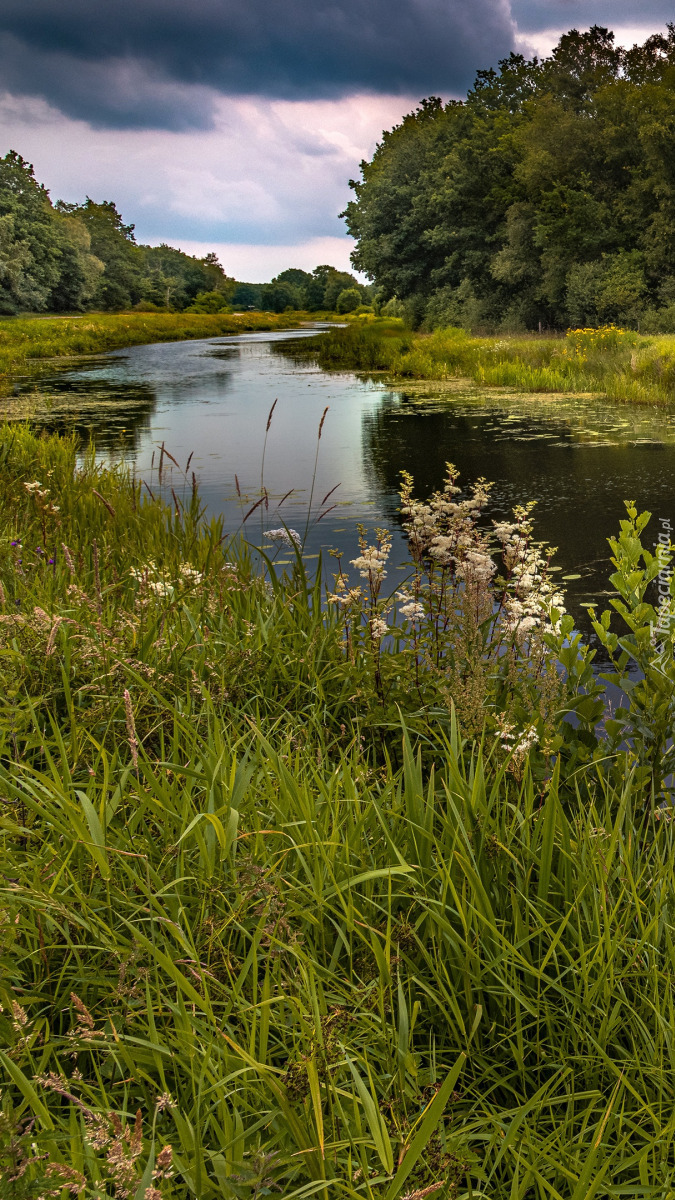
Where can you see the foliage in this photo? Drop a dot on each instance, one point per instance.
(252, 942)
(209, 302)
(642, 654)
(546, 198)
(279, 295)
(319, 291)
(113, 243)
(177, 280)
(45, 258)
(348, 300)
(70, 257)
(247, 295)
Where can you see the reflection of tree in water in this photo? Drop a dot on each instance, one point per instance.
(401, 436)
(111, 415)
(579, 488)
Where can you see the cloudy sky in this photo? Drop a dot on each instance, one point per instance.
(235, 125)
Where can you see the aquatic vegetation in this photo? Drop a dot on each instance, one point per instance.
(262, 930)
(607, 361)
(26, 343)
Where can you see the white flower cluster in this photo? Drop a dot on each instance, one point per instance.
(514, 743)
(378, 628)
(345, 597)
(285, 537)
(36, 488)
(410, 608)
(160, 587)
(444, 529)
(445, 532)
(189, 574)
(371, 562)
(533, 599)
(160, 582)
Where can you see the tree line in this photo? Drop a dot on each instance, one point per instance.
(545, 198)
(60, 257)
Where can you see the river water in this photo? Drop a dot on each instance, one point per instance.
(579, 458)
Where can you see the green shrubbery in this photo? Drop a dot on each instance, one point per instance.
(271, 916)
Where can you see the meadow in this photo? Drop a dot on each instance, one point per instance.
(309, 894)
(29, 346)
(612, 362)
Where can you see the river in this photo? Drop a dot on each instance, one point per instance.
(210, 400)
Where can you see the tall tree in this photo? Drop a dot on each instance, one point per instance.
(548, 194)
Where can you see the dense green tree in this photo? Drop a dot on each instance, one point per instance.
(548, 195)
(113, 242)
(173, 279)
(295, 276)
(45, 258)
(247, 295)
(80, 270)
(278, 296)
(348, 300)
(209, 302)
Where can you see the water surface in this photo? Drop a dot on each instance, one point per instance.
(579, 458)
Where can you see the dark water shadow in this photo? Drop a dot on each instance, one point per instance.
(112, 416)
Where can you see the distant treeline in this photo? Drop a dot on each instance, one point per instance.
(325, 289)
(77, 257)
(548, 195)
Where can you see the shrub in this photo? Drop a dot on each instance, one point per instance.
(348, 300)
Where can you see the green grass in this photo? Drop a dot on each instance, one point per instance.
(314, 951)
(27, 342)
(616, 363)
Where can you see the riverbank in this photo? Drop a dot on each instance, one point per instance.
(271, 915)
(32, 346)
(607, 362)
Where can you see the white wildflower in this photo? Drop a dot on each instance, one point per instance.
(346, 599)
(286, 537)
(378, 628)
(524, 628)
(190, 574)
(527, 739)
(160, 587)
(370, 564)
(413, 612)
(504, 530)
(477, 567)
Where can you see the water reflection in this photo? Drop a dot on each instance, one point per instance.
(558, 456)
(114, 418)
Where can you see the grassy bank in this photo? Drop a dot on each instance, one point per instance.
(617, 363)
(272, 919)
(29, 344)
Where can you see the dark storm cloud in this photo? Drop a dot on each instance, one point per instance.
(116, 62)
(534, 15)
